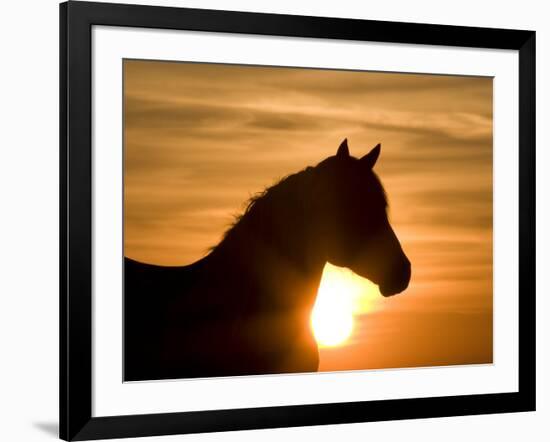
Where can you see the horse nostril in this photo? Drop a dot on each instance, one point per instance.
(407, 270)
(399, 278)
(403, 269)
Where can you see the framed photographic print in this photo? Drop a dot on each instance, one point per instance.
(272, 220)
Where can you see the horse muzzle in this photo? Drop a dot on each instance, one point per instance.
(398, 279)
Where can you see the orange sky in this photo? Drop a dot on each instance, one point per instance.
(200, 139)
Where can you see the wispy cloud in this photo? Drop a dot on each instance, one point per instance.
(200, 139)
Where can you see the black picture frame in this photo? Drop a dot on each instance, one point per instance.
(76, 21)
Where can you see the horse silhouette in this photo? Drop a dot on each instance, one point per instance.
(245, 307)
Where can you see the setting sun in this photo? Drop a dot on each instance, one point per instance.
(342, 294)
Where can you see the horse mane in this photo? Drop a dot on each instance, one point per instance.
(259, 201)
(279, 193)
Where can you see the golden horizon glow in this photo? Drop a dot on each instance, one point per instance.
(199, 139)
(341, 296)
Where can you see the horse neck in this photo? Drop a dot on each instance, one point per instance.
(275, 241)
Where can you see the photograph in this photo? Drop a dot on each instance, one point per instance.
(275, 221)
(281, 219)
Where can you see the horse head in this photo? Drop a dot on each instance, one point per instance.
(350, 208)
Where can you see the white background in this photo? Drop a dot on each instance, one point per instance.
(28, 226)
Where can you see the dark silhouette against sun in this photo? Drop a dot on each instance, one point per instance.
(245, 308)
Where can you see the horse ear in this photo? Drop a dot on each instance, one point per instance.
(343, 150)
(369, 160)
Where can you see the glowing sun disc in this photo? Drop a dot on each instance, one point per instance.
(342, 294)
(332, 316)
(334, 331)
